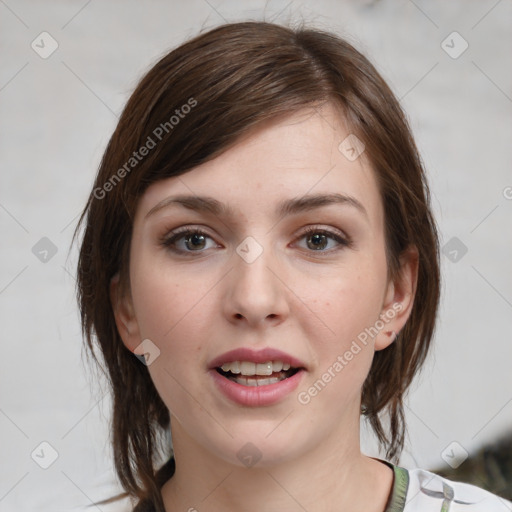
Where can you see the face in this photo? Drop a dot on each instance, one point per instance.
(271, 256)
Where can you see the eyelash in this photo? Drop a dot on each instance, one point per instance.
(343, 241)
(169, 239)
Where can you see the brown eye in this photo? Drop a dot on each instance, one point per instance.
(317, 241)
(195, 241)
(186, 241)
(324, 241)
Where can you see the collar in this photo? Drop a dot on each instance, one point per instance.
(398, 494)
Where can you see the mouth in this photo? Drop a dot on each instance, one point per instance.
(247, 373)
(256, 378)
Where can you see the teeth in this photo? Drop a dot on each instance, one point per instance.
(235, 367)
(248, 381)
(248, 369)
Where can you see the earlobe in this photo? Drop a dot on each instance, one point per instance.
(399, 299)
(124, 315)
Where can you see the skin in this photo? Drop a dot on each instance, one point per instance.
(311, 303)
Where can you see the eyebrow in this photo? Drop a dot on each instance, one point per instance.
(288, 207)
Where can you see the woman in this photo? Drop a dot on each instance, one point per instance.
(260, 267)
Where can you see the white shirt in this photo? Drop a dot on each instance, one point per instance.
(418, 490)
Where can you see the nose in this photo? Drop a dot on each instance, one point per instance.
(256, 293)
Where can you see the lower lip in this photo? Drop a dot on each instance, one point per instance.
(256, 396)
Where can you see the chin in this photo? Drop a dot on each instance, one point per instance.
(254, 447)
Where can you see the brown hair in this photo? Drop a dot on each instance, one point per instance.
(231, 79)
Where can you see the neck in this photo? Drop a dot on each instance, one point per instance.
(329, 477)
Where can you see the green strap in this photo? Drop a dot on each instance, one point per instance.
(396, 502)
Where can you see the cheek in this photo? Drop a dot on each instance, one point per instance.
(349, 301)
(176, 316)
(343, 311)
(344, 355)
(166, 304)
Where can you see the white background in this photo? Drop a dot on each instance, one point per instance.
(57, 115)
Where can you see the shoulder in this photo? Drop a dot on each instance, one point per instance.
(428, 492)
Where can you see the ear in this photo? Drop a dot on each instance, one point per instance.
(399, 299)
(124, 315)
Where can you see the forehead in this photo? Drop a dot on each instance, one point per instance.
(297, 155)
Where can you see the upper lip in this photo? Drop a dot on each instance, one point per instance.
(256, 356)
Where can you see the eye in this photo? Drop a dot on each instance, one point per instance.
(187, 240)
(318, 239)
